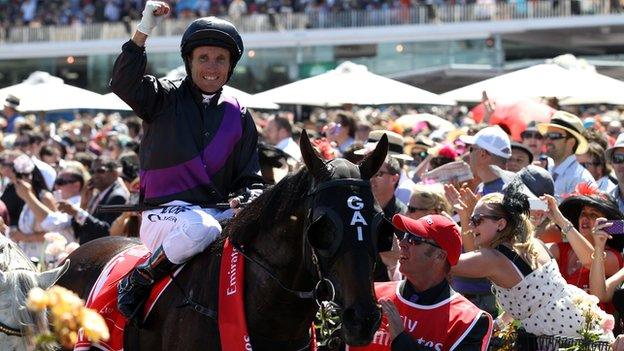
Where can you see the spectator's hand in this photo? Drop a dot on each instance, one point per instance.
(22, 188)
(18, 236)
(86, 193)
(553, 210)
(618, 345)
(488, 107)
(153, 14)
(395, 324)
(4, 229)
(68, 208)
(600, 236)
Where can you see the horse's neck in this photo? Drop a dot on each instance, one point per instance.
(279, 314)
(12, 257)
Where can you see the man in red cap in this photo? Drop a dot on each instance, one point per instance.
(423, 312)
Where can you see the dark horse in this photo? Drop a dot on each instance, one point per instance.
(316, 225)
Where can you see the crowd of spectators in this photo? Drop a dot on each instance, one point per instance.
(67, 12)
(55, 175)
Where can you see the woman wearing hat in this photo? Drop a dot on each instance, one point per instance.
(526, 280)
(582, 209)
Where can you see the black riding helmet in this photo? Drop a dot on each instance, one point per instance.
(211, 31)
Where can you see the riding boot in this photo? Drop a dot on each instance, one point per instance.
(134, 289)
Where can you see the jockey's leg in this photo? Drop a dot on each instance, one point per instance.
(180, 234)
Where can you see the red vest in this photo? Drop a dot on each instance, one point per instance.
(441, 326)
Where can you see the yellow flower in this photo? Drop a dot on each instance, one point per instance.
(37, 299)
(93, 325)
(68, 338)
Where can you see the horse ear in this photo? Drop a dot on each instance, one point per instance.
(371, 164)
(313, 162)
(48, 278)
(2, 278)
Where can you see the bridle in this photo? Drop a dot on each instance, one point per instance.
(352, 183)
(248, 252)
(10, 331)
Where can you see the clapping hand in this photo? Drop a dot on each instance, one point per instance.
(395, 323)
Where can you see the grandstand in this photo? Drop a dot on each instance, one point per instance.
(435, 45)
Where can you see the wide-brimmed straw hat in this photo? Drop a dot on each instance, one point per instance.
(571, 124)
(395, 144)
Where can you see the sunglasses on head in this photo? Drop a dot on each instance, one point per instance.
(531, 135)
(477, 218)
(555, 136)
(617, 159)
(417, 240)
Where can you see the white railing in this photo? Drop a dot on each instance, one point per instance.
(323, 20)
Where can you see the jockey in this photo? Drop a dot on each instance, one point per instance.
(199, 146)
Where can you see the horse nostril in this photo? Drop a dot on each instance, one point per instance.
(351, 316)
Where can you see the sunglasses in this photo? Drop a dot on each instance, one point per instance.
(61, 181)
(412, 209)
(21, 143)
(477, 219)
(589, 164)
(555, 136)
(617, 159)
(100, 170)
(417, 240)
(531, 135)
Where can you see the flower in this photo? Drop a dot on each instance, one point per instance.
(37, 299)
(93, 325)
(52, 237)
(608, 323)
(54, 249)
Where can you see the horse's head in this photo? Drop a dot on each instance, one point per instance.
(16, 320)
(341, 231)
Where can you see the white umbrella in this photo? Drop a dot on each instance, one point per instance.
(44, 92)
(566, 78)
(350, 83)
(438, 123)
(245, 99)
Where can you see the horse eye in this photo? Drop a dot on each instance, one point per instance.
(322, 233)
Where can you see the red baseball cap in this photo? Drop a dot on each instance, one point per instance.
(438, 228)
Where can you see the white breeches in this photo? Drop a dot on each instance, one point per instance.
(182, 229)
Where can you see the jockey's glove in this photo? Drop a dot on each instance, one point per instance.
(148, 20)
(248, 194)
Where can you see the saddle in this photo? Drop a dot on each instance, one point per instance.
(103, 297)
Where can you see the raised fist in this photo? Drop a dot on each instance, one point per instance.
(152, 15)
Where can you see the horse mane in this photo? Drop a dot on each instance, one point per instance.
(273, 206)
(13, 300)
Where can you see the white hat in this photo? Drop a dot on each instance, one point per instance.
(492, 139)
(619, 143)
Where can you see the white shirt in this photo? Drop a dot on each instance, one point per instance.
(290, 147)
(605, 184)
(615, 193)
(568, 174)
(61, 222)
(403, 192)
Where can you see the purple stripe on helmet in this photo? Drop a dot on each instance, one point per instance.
(195, 172)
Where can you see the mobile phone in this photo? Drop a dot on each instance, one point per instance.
(536, 204)
(616, 227)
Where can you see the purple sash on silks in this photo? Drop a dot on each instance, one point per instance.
(198, 170)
